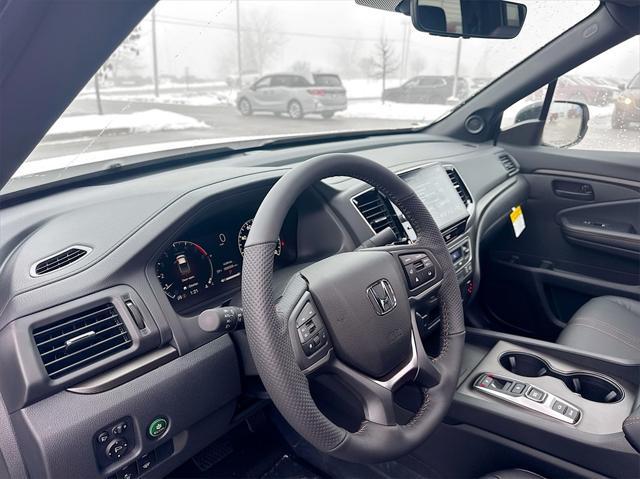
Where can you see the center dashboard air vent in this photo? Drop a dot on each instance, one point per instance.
(464, 194)
(81, 339)
(59, 260)
(377, 211)
(509, 164)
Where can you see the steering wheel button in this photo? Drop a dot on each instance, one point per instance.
(307, 312)
(309, 348)
(412, 276)
(407, 259)
(303, 334)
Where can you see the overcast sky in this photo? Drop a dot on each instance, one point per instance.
(334, 35)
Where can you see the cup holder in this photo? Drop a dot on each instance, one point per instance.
(526, 365)
(590, 386)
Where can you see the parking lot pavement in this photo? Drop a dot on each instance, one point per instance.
(223, 121)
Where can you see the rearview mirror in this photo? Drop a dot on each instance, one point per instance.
(468, 18)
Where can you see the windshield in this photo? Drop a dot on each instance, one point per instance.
(212, 72)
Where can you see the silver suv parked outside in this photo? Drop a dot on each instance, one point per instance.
(295, 95)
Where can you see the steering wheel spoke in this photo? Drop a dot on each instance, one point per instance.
(428, 373)
(376, 395)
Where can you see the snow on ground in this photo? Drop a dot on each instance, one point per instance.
(87, 157)
(169, 85)
(394, 111)
(221, 94)
(137, 122)
(197, 99)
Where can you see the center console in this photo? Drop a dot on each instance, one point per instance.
(565, 402)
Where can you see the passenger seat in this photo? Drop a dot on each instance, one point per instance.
(608, 325)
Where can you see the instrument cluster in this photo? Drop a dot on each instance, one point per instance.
(205, 263)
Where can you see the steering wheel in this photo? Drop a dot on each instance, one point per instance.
(353, 315)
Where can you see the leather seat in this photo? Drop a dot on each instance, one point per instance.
(512, 474)
(608, 325)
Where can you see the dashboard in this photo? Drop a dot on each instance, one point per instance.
(157, 249)
(203, 264)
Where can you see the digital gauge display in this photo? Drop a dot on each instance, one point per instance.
(205, 264)
(244, 234)
(184, 270)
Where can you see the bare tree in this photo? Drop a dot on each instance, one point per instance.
(260, 40)
(126, 56)
(383, 62)
(126, 52)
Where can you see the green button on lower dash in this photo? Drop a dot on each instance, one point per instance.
(158, 427)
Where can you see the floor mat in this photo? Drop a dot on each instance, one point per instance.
(251, 452)
(289, 468)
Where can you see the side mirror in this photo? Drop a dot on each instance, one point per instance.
(468, 18)
(566, 124)
(622, 86)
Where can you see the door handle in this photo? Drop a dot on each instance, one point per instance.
(573, 190)
(574, 195)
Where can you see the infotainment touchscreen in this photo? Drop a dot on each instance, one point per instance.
(434, 188)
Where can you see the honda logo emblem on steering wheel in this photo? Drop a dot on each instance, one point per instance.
(382, 297)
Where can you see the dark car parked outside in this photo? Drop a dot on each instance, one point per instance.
(427, 89)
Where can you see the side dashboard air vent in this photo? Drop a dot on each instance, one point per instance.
(509, 164)
(81, 339)
(59, 260)
(464, 194)
(377, 211)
